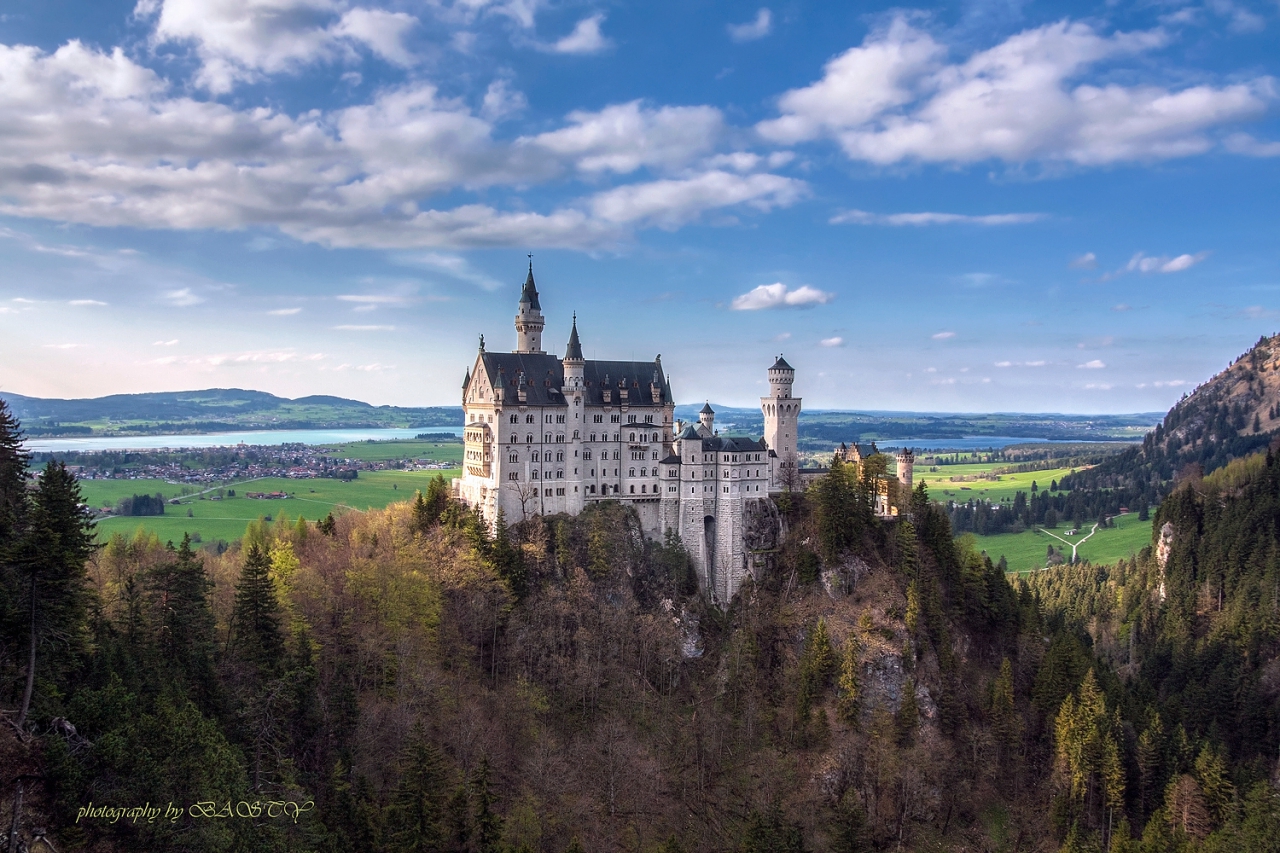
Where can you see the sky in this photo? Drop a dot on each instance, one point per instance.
(983, 206)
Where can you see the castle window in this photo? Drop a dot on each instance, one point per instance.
(616, 454)
(559, 475)
(514, 438)
(644, 490)
(648, 419)
(586, 454)
(546, 438)
(560, 438)
(633, 490)
(726, 490)
(632, 438)
(514, 475)
(615, 488)
(559, 419)
(528, 439)
(596, 419)
(632, 473)
(655, 436)
(576, 435)
(560, 456)
(548, 492)
(631, 419)
(533, 475)
(535, 456)
(655, 454)
(559, 491)
(528, 419)
(515, 419)
(513, 458)
(548, 418)
(613, 419)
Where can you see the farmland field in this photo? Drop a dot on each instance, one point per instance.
(227, 518)
(1027, 551)
(941, 487)
(385, 451)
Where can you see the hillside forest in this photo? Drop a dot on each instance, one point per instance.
(406, 680)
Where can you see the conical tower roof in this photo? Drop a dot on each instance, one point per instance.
(781, 364)
(706, 409)
(574, 350)
(530, 292)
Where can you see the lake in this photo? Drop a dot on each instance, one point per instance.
(228, 439)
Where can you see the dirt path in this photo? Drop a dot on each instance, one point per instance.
(1074, 544)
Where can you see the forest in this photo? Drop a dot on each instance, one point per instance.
(406, 680)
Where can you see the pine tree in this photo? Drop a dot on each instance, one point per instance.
(908, 715)
(849, 703)
(1004, 716)
(256, 617)
(178, 591)
(52, 555)
(415, 816)
(487, 823)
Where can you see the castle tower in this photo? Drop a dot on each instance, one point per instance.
(574, 363)
(529, 320)
(906, 463)
(781, 412)
(707, 421)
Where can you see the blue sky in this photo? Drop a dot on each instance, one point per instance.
(989, 206)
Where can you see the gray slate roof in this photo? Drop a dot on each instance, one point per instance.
(781, 364)
(530, 292)
(544, 377)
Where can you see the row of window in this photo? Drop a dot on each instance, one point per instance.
(711, 457)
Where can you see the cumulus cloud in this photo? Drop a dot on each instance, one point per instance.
(942, 336)
(1087, 261)
(625, 137)
(586, 38)
(243, 40)
(752, 30)
(862, 217)
(896, 98)
(779, 295)
(1243, 143)
(182, 297)
(671, 203)
(95, 138)
(1095, 364)
(831, 342)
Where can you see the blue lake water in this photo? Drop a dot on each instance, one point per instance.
(228, 439)
(341, 436)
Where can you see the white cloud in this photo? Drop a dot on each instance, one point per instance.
(375, 367)
(62, 346)
(242, 40)
(862, 217)
(1087, 261)
(1243, 143)
(1039, 363)
(671, 203)
(350, 328)
(752, 30)
(1095, 364)
(778, 295)
(1164, 263)
(284, 312)
(94, 138)
(1121, 307)
(373, 299)
(453, 265)
(173, 342)
(586, 38)
(1098, 386)
(831, 342)
(1171, 383)
(895, 98)
(942, 336)
(1004, 364)
(182, 297)
(82, 303)
(500, 101)
(624, 137)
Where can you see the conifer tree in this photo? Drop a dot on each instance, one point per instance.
(415, 816)
(52, 555)
(256, 618)
(487, 823)
(178, 590)
(1004, 719)
(849, 703)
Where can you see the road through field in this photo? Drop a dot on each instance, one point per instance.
(1073, 545)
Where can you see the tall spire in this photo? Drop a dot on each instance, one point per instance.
(529, 294)
(575, 346)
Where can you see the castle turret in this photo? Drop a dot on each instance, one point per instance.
(707, 420)
(574, 363)
(781, 412)
(906, 463)
(529, 322)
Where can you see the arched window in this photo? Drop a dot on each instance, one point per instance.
(528, 439)
(515, 419)
(632, 438)
(528, 419)
(633, 490)
(633, 472)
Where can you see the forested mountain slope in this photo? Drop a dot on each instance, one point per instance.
(1230, 416)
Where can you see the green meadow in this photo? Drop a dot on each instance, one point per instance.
(386, 451)
(1027, 551)
(1000, 488)
(227, 518)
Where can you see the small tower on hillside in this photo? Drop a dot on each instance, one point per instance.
(906, 463)
(781, 411)
(707, 421)
(529, 322)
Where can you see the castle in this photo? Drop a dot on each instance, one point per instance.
(548, 435)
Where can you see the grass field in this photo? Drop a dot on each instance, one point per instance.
(1026, 551)
(227, 518)
(385, 451)
(941, 487)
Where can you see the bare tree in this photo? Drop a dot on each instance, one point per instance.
(525, 492)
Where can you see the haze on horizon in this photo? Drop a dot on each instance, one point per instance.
(996, 206)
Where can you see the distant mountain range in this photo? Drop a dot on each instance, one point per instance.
(224, 409)
(212, 410)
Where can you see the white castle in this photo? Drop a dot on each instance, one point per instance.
(546, 435)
